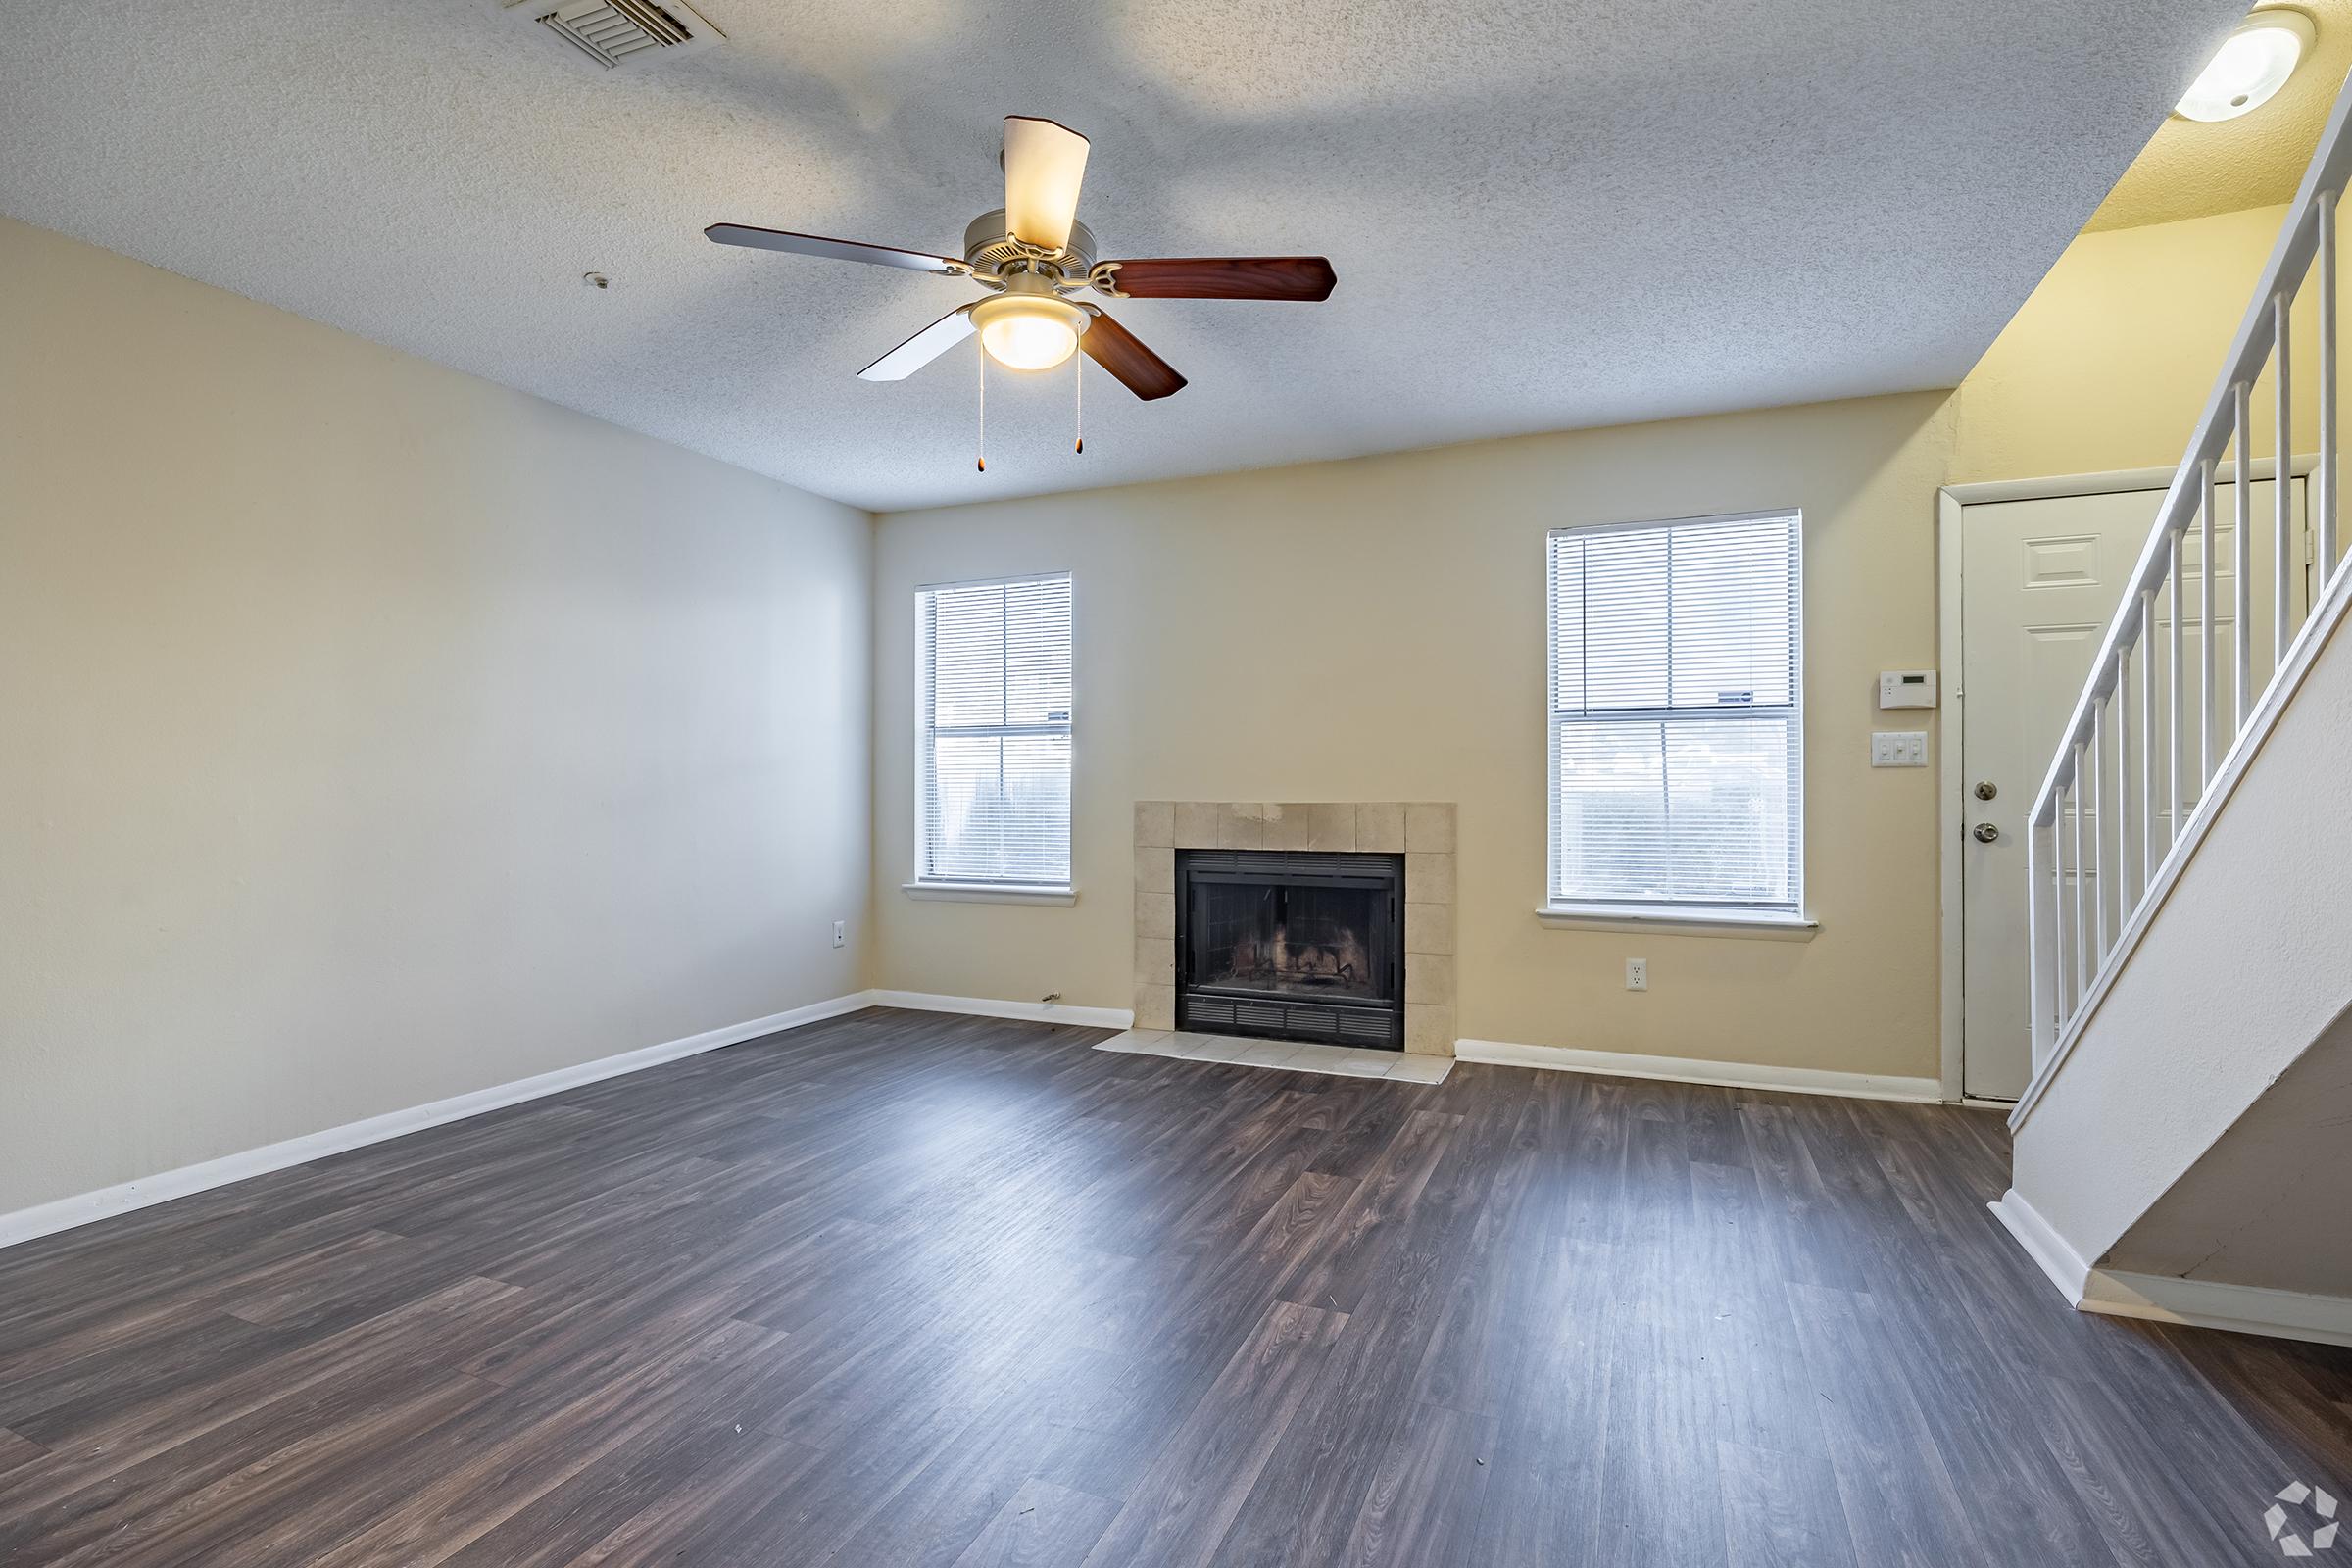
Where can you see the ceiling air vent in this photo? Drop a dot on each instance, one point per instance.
(620, 34)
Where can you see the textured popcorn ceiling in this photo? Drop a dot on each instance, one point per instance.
(2193, 170)
(1544, 215)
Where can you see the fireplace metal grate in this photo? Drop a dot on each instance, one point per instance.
(1290, 1020)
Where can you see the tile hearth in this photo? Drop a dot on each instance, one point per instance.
(1422, 831)
(1283, 1056)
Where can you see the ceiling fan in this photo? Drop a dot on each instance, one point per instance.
(1034, 256)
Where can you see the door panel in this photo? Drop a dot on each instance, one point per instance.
(2040, 580)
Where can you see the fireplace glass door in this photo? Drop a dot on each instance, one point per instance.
(1294, 946)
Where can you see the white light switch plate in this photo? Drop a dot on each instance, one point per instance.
(1898, 747)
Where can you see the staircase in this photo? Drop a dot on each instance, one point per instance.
(2180, 1151)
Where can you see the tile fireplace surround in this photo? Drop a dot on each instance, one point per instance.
(1422, 831)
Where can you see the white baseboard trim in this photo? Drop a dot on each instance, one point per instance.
(65, 1213)
(988, 1007)
(2044, 1245)
(1690, 1070)
(2212, 1304)
(2169, 1299)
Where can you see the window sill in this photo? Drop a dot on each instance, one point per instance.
(1773, 928)
(987, 893)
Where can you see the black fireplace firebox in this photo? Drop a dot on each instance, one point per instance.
(1292, 945)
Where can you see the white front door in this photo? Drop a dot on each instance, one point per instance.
(2039, 581)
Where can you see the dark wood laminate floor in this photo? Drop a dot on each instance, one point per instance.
(903, 1289)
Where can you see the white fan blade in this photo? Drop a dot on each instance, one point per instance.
(1045, 164)
(922, 348)
(839, 250)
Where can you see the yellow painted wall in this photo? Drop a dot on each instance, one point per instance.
(2110, 360)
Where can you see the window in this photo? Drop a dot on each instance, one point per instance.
(1677, 718)
(993, 699)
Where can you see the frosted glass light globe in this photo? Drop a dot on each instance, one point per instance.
(1028, 331)
(2250, 67)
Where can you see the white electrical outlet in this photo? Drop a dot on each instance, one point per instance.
(1636, 974)
(841, 933)
(1896, 748)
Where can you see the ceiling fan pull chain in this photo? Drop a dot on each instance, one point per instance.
(1078, 381)
(983, 442)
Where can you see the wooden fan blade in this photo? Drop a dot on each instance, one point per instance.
(839, 250)
(1121, 352)
(1225, 278)
(922, 348)
(1045, 164)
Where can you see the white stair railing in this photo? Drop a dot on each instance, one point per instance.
(2131, 790)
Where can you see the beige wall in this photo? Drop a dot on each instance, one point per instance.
(378, 734)
(1406, 594)
(375, 734)
(2105, 368)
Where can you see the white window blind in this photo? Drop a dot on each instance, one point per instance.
(1677, 716)
(993, 698)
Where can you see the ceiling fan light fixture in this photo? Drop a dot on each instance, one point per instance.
(2248, 71)
(1028, 331)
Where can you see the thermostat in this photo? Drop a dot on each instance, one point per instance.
(1907, 688)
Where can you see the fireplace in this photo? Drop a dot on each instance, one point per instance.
(1291, 944)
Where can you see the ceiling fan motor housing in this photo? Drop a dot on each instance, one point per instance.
(989, 245)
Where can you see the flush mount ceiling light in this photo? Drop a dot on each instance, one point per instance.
(2251, 68)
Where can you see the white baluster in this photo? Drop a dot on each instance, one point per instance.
(2325, 567)
(2174, 700)
(2098, 835)
(2148, 738)
(2207, 718)
(2121, 706)
(2282, 490)
(2061, 928)
(2241, 630)
(2081, 870)
(2040, 929)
